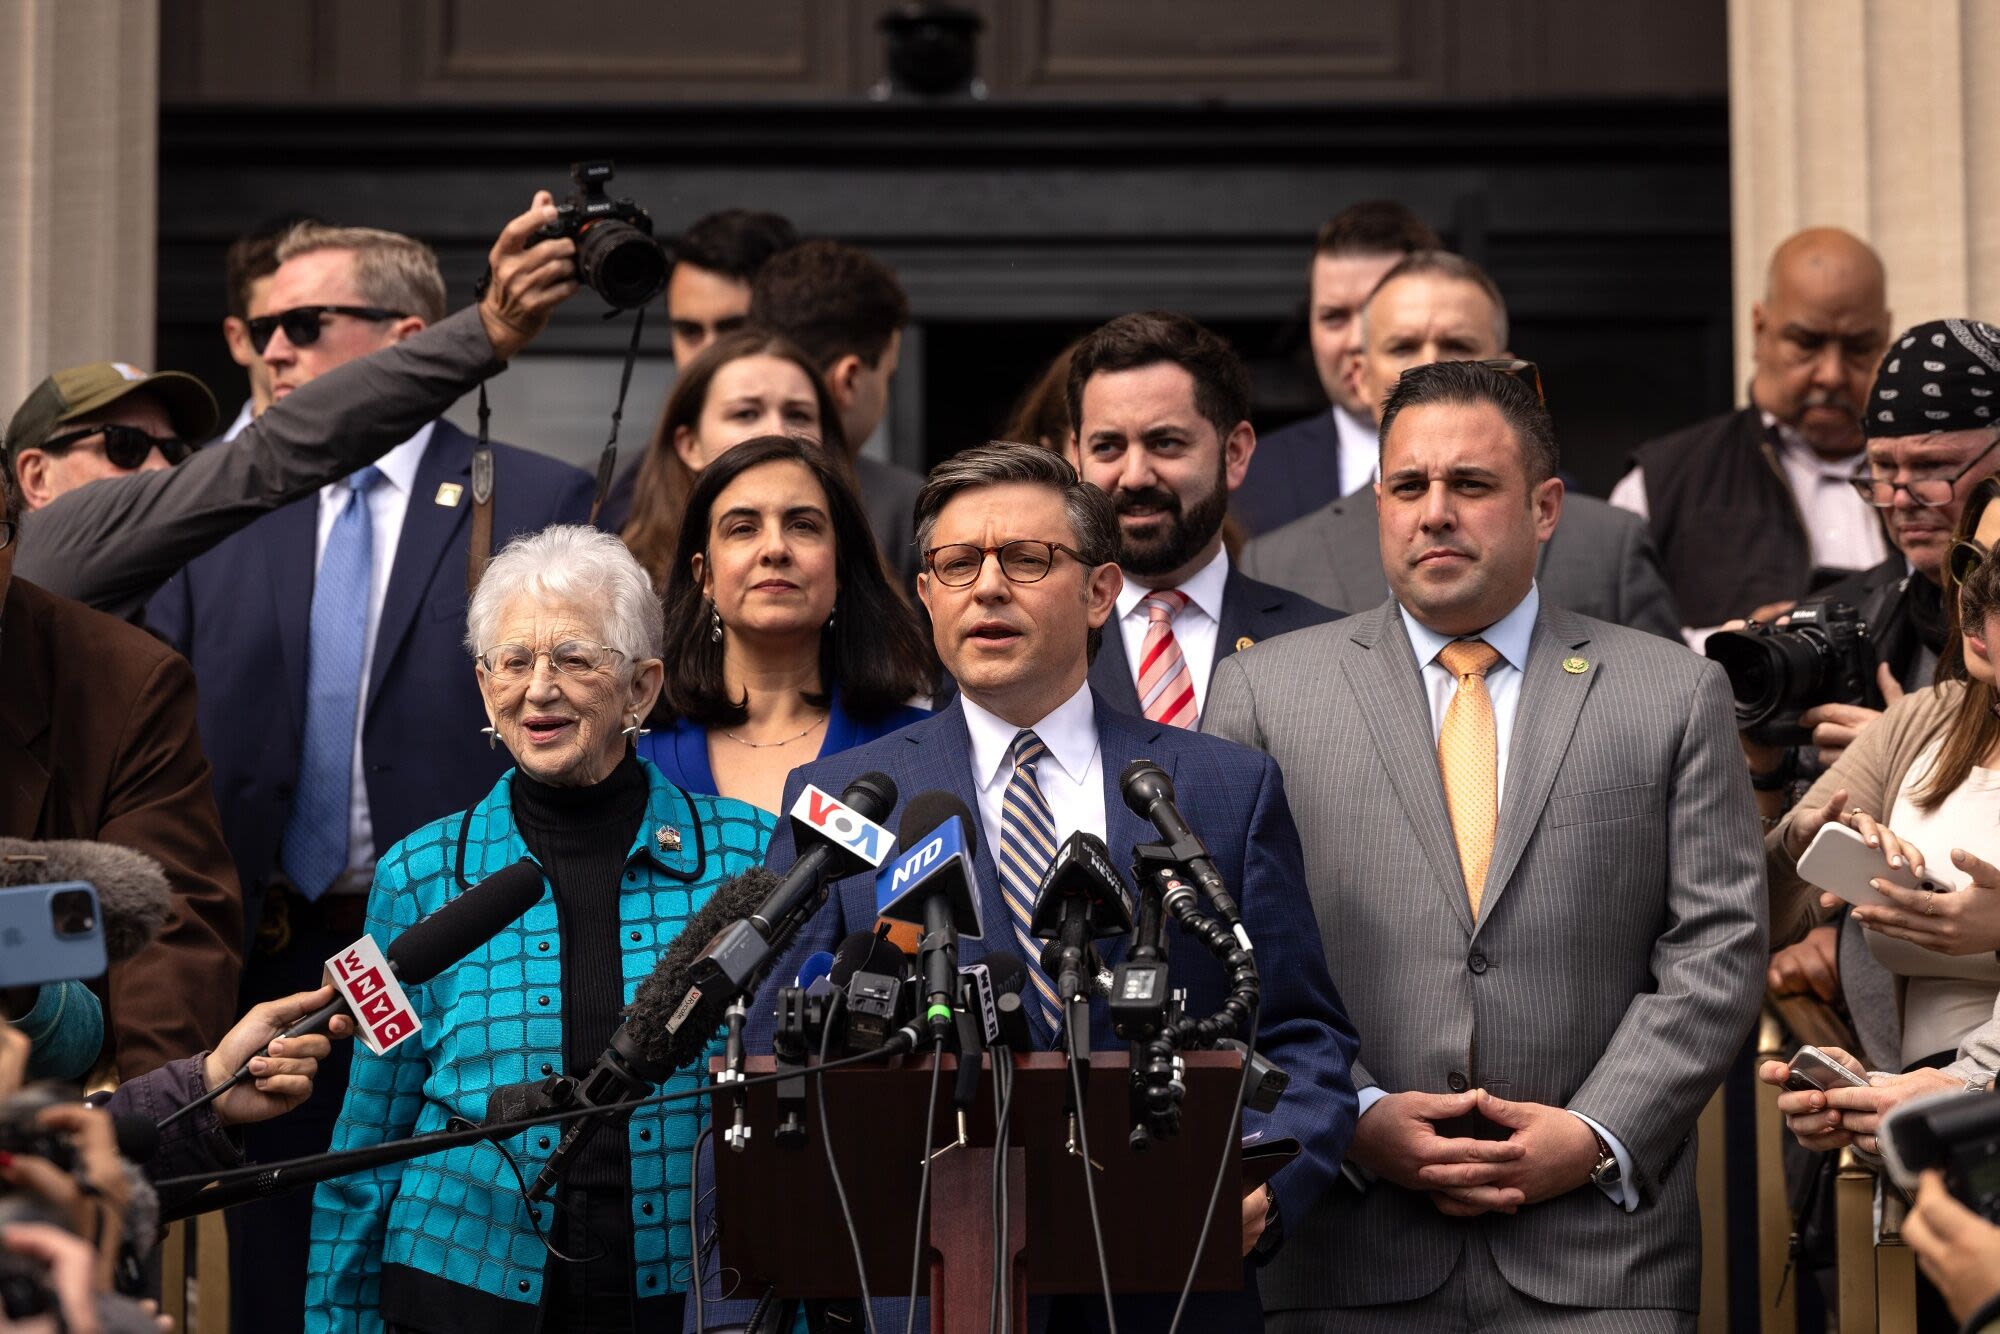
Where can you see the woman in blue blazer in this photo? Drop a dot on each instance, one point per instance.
(785, 640)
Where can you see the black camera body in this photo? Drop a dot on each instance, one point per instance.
(1821, 655)
(22, 1135)
(616, 255)
(1957, 1133)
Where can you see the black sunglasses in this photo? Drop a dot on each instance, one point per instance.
(302, 323)
(125, 446)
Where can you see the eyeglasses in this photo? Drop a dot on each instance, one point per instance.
(1964, 559)
(509, 663)
(1929, 492)
(124, 446)
(302, 323)
(1523, 370)
(1023, 561)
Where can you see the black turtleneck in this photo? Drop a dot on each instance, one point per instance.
(581, 836)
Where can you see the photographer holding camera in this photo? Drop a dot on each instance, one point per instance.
(1959, 1252)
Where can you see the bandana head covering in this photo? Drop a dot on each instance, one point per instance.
(1940, 376)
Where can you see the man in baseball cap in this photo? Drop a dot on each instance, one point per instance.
(104, 419)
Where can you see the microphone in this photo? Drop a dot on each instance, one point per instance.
(1009, 976)
(423, 951)
(667, 1025)
(1150, 795)
(1080, 898)
(133, 896)
(870, 972)
(932, 884)
(835, 839)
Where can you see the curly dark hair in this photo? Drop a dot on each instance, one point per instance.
(877, 648)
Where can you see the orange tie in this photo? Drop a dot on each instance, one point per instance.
(1469, 756)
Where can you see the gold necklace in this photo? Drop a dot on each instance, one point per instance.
(766, 745)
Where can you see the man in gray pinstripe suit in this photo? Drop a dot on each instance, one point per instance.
(1538, 874)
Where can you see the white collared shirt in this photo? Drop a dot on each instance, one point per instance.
(1071, 775)
(1196, 626)
(1360, 450)
(244, 416)
(388, 503)
(1511, 636)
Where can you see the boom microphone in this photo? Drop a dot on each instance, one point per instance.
(1150, 794)
(667, 1025)
(421, 952)
(133, 896)
(1081, 898)
(835, 839)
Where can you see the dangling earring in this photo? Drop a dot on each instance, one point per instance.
(492, 738)
(635, 731)
(829, 615)
(714, 624)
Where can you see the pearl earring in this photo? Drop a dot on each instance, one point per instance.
(714, 624)
(829, 615)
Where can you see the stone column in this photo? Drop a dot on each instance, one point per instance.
(78, 164)
(1880, 116)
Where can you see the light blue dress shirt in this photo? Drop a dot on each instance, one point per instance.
(1510, 636)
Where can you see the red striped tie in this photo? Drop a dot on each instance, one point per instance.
(1166, 687)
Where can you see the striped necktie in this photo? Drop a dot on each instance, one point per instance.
(1166, 687)
(1469, 759)
(1027, 847)
(314, 848)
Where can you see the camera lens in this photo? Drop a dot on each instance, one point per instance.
(1771, 675)
(74, 911)
(621, 263)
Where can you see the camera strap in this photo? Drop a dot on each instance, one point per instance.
(607, 462)
(479, 550)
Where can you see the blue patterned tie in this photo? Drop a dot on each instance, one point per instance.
(1027, 847)
(314, 851)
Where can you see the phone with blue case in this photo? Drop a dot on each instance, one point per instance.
(50, 933)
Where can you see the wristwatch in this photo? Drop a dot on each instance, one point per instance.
(1606, 1174)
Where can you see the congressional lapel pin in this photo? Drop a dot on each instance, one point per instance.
(1576, 666)
(668, 837)
(448, 494)
(1243, 642)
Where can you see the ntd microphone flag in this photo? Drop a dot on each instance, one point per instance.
(939, 863)
(829, 821)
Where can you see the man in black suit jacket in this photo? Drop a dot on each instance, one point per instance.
(1161, 407)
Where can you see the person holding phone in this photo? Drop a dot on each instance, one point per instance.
(1919, 788)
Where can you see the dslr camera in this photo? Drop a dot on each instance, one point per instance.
(616, 255)
(1821, 655)
(1957, 1133)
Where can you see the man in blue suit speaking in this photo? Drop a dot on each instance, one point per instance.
(1019, 575)
(338, 702)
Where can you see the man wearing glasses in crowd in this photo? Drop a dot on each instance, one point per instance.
(111, 513)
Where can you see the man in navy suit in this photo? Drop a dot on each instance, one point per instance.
(1020, 577)
(1161, 407)
(337, 697)
(1332, 454)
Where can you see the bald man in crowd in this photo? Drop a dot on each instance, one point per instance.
(1757, 506)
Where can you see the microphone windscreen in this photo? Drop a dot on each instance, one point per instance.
(138, 1138)
(928, 810)
(464, 924)
(867, 952)
(133, 896)
(663, 990)
(873, 795)
(1006, 970)
(1142, 784)
(142, 1209)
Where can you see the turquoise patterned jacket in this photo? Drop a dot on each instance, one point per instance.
(495, 1018)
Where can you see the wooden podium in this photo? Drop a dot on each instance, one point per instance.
(781, 1225)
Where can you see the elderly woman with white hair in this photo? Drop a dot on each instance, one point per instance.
(565, 635)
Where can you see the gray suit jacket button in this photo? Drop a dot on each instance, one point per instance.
(1456, 1082)
(1477, 962)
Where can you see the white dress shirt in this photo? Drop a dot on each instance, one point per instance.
(388, 502)
(1071, 775)
(1196, 625)
(244, 416)
(1510, 636)
(1360, 450)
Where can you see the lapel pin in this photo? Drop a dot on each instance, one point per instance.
(1576, 666)
(1243, 642)
(448, 494)
(668, 837)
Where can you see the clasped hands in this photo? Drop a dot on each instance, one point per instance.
(1958, 922)
(1550, 1152)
